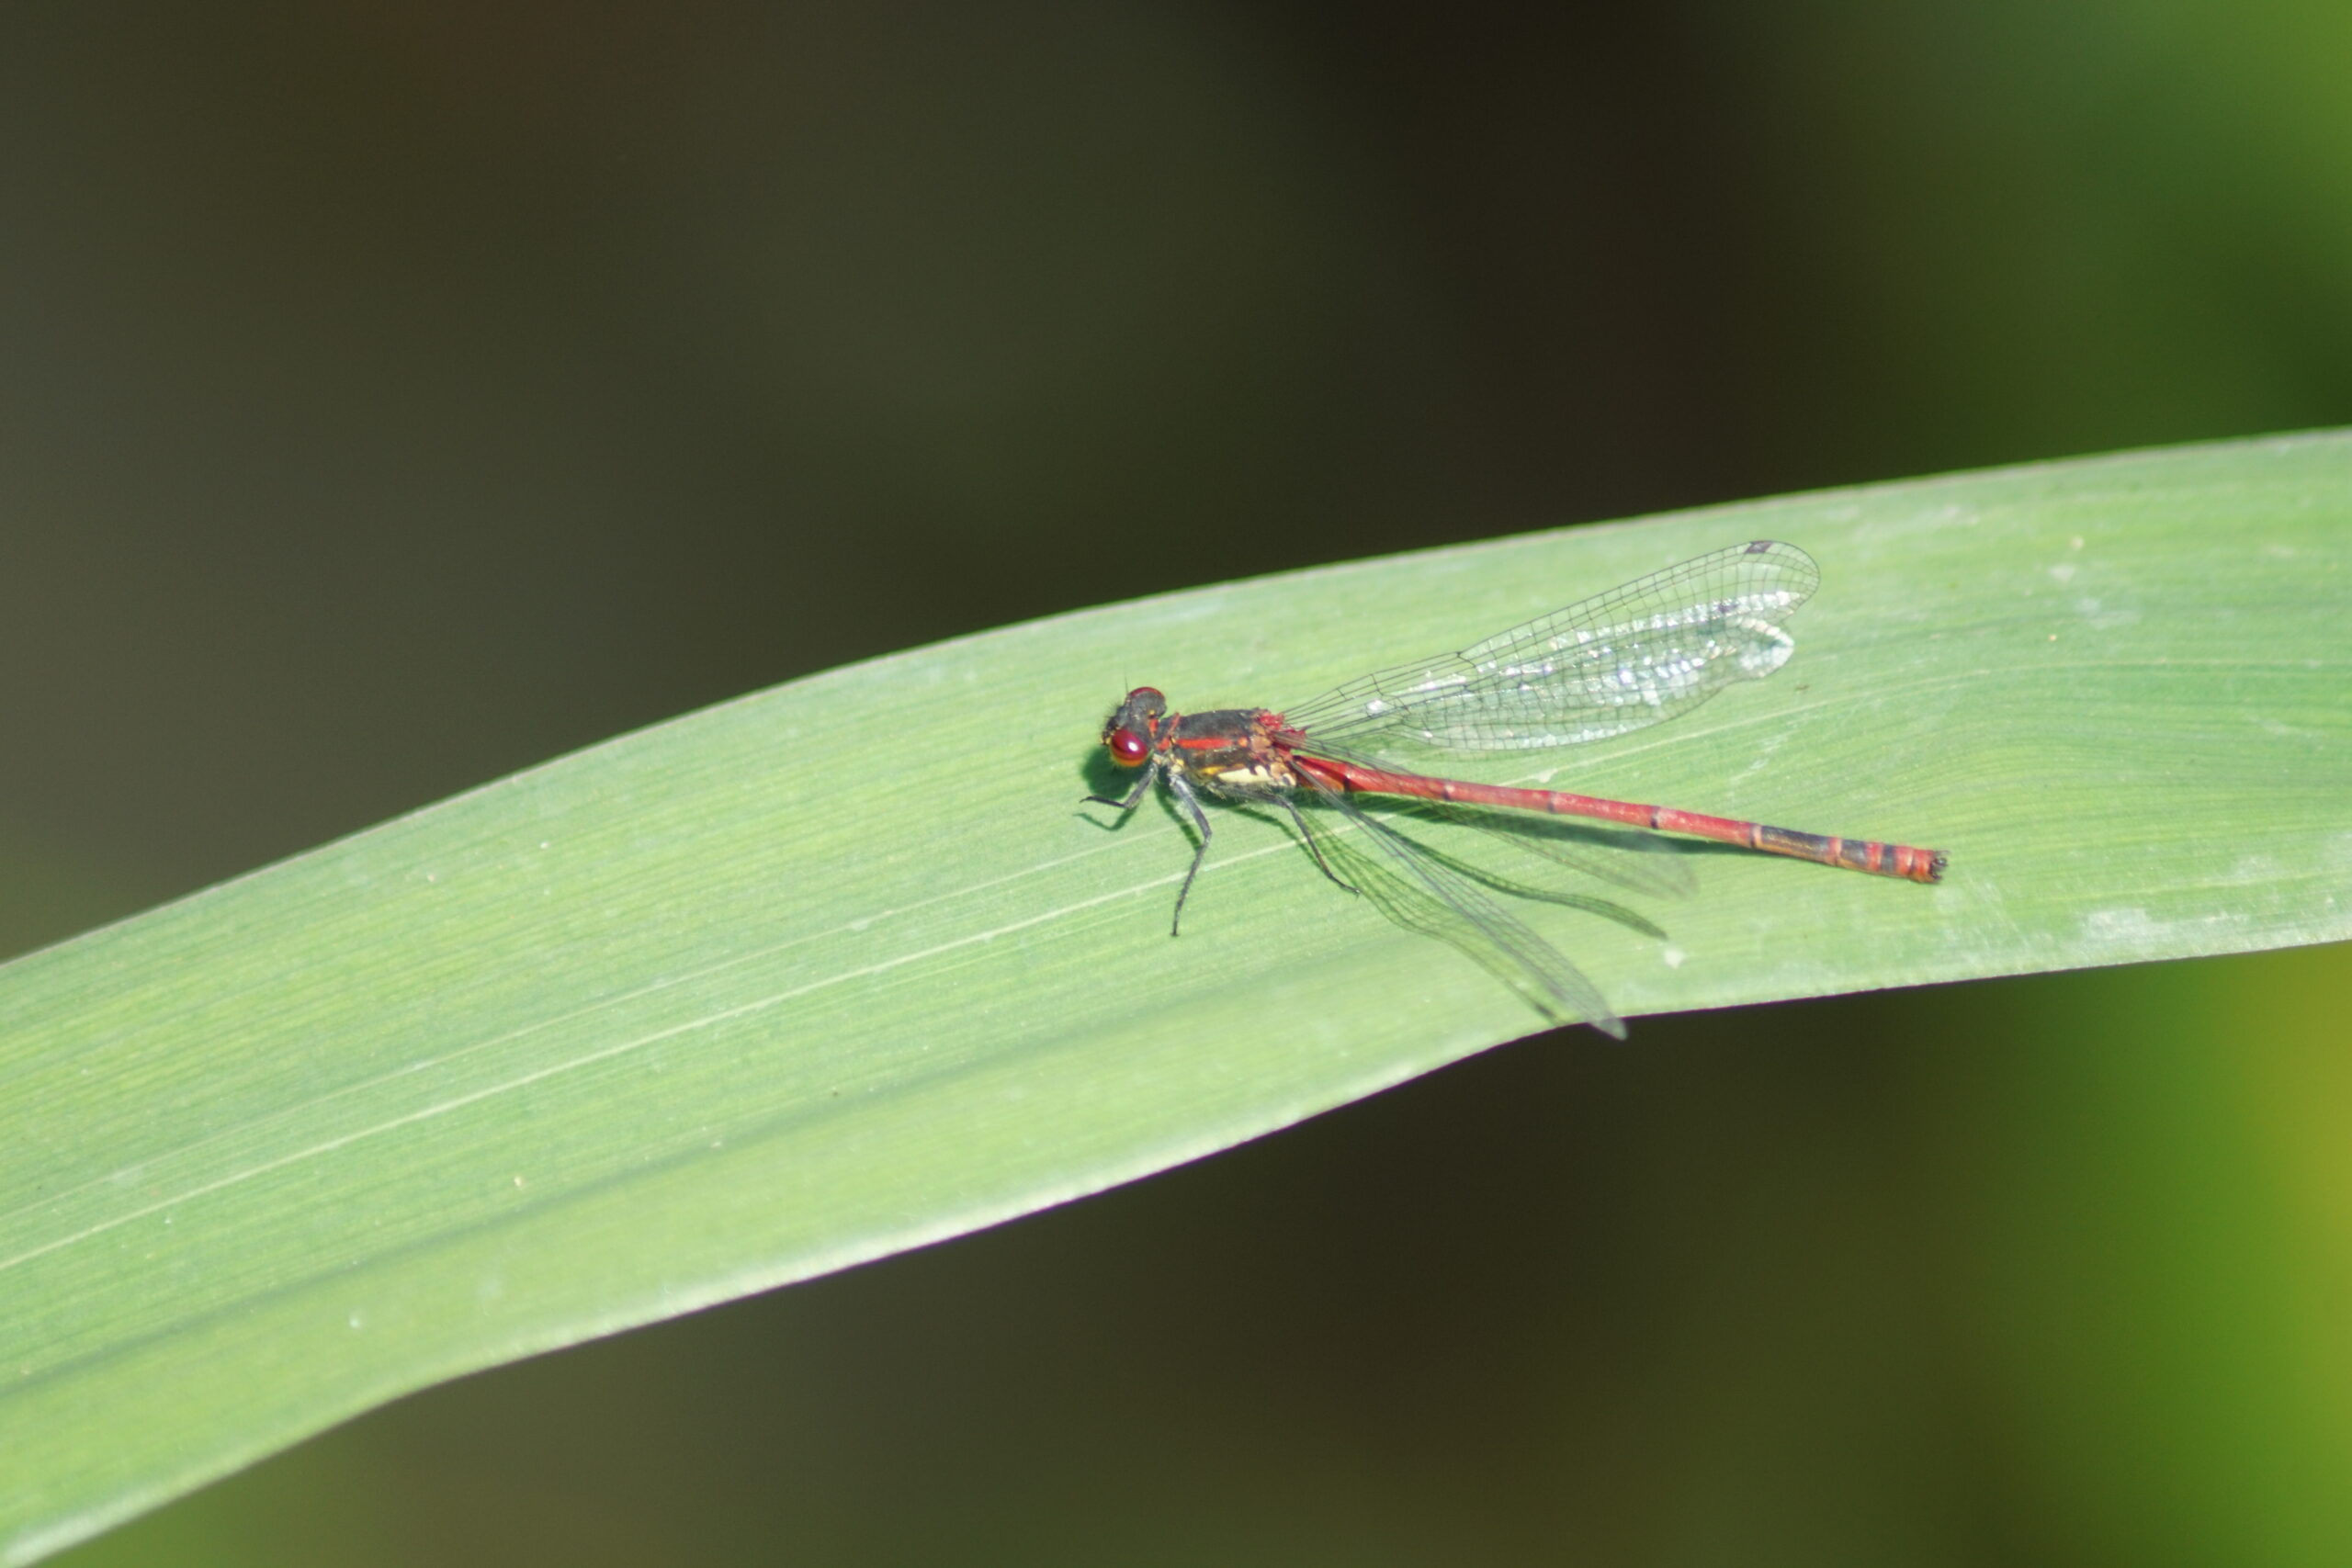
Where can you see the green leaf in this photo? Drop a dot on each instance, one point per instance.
(843, 968)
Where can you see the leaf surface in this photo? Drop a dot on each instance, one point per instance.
(842, 967)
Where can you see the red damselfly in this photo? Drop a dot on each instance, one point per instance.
(1639, 654)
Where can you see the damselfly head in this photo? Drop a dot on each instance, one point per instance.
(1128, 732)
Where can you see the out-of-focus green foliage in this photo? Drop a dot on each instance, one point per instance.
(841, 968)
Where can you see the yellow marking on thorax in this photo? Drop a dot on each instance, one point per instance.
(1260, 773)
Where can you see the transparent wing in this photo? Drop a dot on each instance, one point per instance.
(1635, 656)
(1423, 893)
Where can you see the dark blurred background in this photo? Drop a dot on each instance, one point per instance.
(394, 394)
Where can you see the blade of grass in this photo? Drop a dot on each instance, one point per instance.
(841, 968)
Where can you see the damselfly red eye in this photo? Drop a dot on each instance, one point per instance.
(1127, 749)
(1149, 694)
